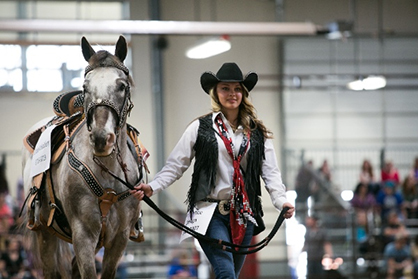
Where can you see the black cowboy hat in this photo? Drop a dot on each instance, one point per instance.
(229, 72)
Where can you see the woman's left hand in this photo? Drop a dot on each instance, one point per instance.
(291, 210)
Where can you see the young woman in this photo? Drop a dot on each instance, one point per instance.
(232, 150)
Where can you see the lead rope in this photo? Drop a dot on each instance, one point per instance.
(219, 243)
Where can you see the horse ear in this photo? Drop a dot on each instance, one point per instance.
(121, 49)
(88, 51)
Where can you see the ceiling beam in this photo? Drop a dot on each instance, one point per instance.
(154, 27)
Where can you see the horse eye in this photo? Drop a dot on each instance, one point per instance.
(122, 87)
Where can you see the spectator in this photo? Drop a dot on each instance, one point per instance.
(398, 256)
(366, 174)
(305, 186)
(325, 171)
(389, 199)
(3, 271)
(414, 251)
(317, 247)
(6, 220)
(410, 196)
(414, 171)
(364, 204)
(363, 199)
(390, 173)
(13, 257)
(394, 226)
(182, 266)
(368, 177)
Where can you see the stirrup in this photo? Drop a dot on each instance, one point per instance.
(137, 232)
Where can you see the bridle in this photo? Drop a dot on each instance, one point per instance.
(121, 112)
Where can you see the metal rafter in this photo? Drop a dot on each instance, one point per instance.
(154, 27)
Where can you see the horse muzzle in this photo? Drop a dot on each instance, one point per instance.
(103, 142)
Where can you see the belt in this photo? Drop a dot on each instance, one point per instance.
(224, 206)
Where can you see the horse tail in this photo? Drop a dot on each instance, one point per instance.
(32, 240)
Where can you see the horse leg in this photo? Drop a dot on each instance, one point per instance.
(52, 254)
(112, 256)
(84, 249)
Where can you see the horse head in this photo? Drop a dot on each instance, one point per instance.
(106, 95)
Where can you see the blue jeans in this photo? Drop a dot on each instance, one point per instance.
(225, 264)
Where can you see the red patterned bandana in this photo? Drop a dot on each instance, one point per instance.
(240, 206)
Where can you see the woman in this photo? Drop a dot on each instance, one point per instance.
(390, 173)
(232, 149)
(366, 173)
(363, 199)
(410, 195)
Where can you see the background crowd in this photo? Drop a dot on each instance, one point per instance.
(386, 216)
(385, 207)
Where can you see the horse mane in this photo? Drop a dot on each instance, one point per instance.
(102, 59)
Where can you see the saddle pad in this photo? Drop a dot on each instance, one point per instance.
(31, 139)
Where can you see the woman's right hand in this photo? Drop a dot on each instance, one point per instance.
(141, 190)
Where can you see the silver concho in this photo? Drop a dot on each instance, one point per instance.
(224, 207)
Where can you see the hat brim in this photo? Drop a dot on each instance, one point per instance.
(208, 80)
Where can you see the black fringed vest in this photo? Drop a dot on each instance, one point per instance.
(206, 160)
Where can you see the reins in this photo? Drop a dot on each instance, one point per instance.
(224, 245)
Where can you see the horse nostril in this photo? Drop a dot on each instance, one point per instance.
(110, 139)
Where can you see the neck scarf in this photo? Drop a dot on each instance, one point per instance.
(240, 211)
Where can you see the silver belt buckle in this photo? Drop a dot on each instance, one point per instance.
(224, 207)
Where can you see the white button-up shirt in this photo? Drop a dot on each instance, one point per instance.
(183, 153)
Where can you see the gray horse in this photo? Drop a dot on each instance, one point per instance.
(82, 188)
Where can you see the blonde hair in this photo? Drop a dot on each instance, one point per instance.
(247, 116)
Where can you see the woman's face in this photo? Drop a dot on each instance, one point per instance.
(229, 94)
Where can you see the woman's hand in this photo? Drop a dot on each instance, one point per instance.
(141, 190)
(291, 210)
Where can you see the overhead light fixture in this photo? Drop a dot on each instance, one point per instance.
(209, 47)
(368, 83)
(339, 29)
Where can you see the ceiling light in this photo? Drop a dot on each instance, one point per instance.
(368, 83)
(207, 48)
(339, 29)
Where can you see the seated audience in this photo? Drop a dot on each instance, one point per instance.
(182, 266)
(6, 220)
(410, 196)
(364, 204)
(13, 257)
(390, 173)
(389, 199)
(394, 226)
(363, 199)
(398, 257)
(414, 170)
(366, 173)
